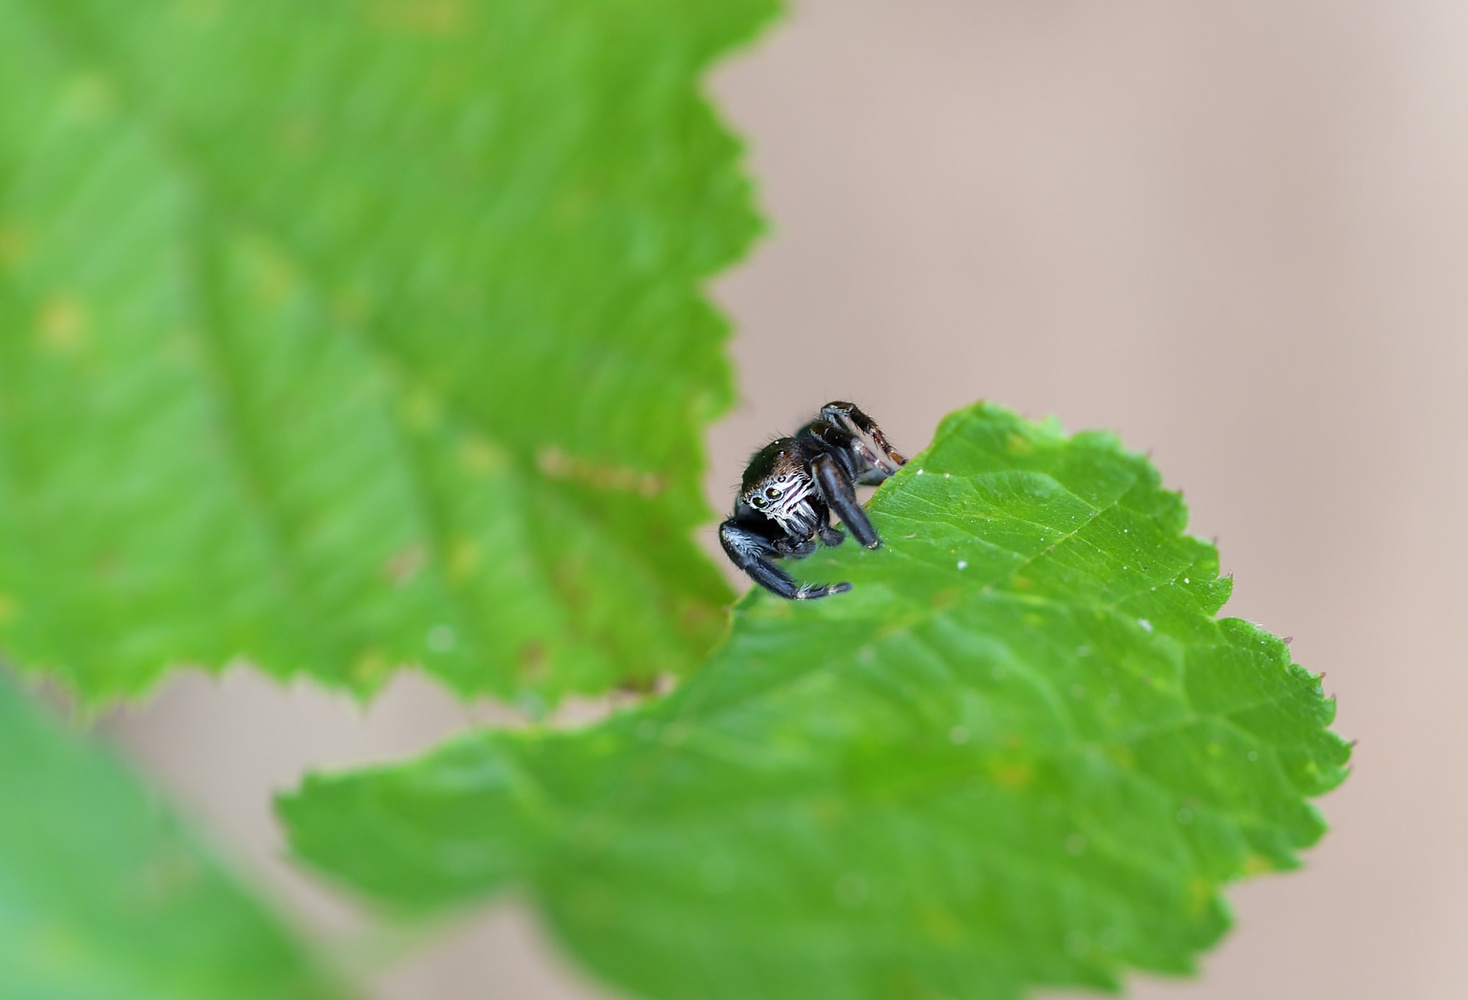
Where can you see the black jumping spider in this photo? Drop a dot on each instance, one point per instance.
(790, 489)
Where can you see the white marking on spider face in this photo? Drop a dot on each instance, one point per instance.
(790, 505)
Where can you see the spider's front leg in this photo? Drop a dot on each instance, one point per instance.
(874, 458)
(754, 553)
(840, 495)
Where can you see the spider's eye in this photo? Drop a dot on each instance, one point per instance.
(772, 493)
(758, 501)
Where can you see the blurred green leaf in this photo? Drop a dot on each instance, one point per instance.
(104, 896)
(343, 335)
(1022, 751)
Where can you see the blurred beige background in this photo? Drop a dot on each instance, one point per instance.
(1237, 233)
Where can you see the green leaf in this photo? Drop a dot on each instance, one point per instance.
(1022, 751)
(339, 336)
(105, 896)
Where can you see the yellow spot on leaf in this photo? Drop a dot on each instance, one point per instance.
(87, 98)
(464, 556)
(420, 17)
(13, 244)
(421, 409)
(371, 666)
(1013, 775)
(9, 608)
(574, 206)
(1200, 895)
(273, 275)
(1019, 444)
(479, 457)
(941, 925)
(199, 12)
(1257, 864)
(61, 326)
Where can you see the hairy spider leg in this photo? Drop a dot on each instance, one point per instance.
(754, 553)
(871, 457)
(835, 486)
(830, 535)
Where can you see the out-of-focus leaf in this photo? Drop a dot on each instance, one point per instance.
(104, 896)
(342, 335)
(1022, 751)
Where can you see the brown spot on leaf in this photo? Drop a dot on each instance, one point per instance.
(420, 17)
(297, 135)
(405, 563)
(556, 464)
(696, 618)
(533, 659)
(639, 685)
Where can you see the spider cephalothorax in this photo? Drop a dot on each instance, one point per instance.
(792, 486)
